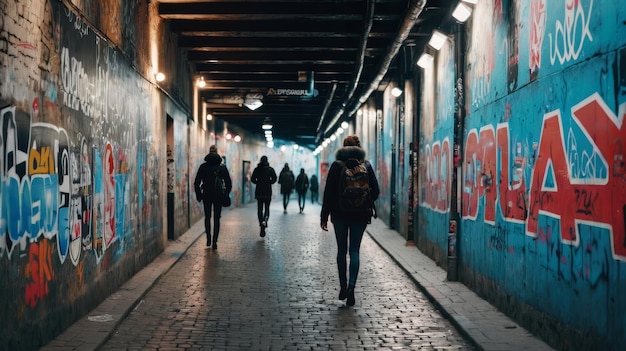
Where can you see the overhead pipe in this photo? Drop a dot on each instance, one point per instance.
(415, 9)
(331, 96)
(356, 77)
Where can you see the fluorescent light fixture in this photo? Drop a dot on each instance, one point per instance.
(426, 60)
(266, 126)
(396, 91)
(253, 104)
(437, 40)
(462, 12)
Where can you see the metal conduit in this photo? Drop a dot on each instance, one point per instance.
(415, 9)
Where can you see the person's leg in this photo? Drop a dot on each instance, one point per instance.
(260, 215)
(266, 205)
(217, 214)
(341, 235)
(356, 229)
(207, 220)
(285, 200)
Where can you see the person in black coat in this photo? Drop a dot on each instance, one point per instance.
(286, 180)
(302, 185)
(314, 188)
(349, 226)
(263, 176)
(204, 186)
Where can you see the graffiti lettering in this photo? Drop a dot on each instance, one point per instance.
(570, 36)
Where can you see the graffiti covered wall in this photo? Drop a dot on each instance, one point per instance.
(80, 207)
(543, 177)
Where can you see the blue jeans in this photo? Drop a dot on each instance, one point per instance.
(348, 234)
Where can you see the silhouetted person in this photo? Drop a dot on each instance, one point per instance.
(263, 176)
(314, 188)
(302, 185)
(286, 180)
(204, 186)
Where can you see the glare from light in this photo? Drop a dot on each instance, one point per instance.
(253, 104)
(340, 130)
(201, 83)
(237, 138)
(266, 126)
(209, 117)
(270, 144)
(333, 137)
(160, 77)
(269, 138)
(283, 148)
(396, 91)
(228, 136)
(344, 125)
(425, 61)
(462, 12)
(437, 40)
(268, 132)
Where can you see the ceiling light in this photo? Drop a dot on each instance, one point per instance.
(473, 2)
(159, 77)
(462, 12)
(437, 40)
(344, 125)
(396, 91)
(253, 104)
(266, 126)
(209, 117)
(201, 83)
(425, 61)
(237, 138)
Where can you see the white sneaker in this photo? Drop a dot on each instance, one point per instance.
(264, 224)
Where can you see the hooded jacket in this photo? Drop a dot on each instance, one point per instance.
(330, 202)
(263, 176)
(204, 184)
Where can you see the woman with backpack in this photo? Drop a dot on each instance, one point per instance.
(207, 191)
(286, 181)
(302, 185)
(349, 195)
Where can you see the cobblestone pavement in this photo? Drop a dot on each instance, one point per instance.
(280, 293)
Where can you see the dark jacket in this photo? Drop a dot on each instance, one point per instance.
(314, 185)
(263, 176)
(286, 181)
(204, 184)
(302, 183)
(330, 202)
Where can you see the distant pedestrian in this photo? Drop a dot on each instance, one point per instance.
(286, 180)
(205, 189)
(349, 225)
(263, 176)
(314, 188)
(302, 185)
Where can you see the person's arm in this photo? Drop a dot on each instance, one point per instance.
(331, 194)
(373, 182)
(228, 182)
(197, 184)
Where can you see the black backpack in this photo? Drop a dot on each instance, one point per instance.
(354, 187)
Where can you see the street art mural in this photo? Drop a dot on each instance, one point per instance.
(543, 188)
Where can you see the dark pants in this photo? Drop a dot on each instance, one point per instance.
(263, 209)
(216, 209)
(286, 197)
(314, 196)
(301, 199)
(348, 234)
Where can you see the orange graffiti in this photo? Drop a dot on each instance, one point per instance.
(39, 270)
(41, 162)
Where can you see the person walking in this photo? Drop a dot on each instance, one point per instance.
(314, 188)
(205, 188)
(302, 185)
(263, 176)
(348, 225)
(286, 180)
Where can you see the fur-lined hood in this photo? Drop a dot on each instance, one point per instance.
(213, 159)
(347, 152)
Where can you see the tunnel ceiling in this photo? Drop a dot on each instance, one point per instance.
(299, 57)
